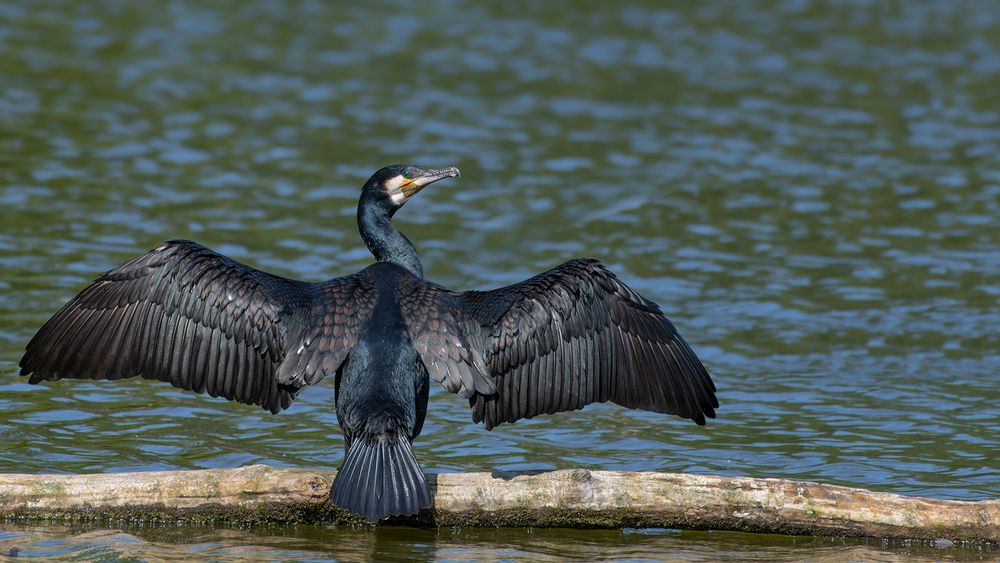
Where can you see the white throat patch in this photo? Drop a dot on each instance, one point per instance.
(394, 182)
(392, 188)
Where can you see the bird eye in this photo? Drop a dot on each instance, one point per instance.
(406, 174)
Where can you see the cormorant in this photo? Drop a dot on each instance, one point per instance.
(188, 316)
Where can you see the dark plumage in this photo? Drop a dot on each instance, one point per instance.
(186, 315)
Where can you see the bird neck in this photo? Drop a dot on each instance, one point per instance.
(385, 241)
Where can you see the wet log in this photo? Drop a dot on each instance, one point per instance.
(570, 498)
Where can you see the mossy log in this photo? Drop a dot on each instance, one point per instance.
(570, 498)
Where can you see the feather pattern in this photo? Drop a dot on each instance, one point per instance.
(576, 335)
(193, 318)
(341, 307)
(448, 345)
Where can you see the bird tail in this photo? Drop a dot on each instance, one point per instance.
(380, 477)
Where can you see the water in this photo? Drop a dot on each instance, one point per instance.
(809, 189)
(310, 543)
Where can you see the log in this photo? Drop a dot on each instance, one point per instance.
(578, 498)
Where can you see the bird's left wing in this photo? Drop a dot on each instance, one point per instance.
(182, 314)
(339, 309)
(191, 317)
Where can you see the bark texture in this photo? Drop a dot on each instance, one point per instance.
(570, 498)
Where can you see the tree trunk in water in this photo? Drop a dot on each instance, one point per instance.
(570, 498)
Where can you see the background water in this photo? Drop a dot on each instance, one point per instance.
(810, 189)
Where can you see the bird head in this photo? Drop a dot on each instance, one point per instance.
(396, 184)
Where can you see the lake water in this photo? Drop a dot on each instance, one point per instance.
(810, 190)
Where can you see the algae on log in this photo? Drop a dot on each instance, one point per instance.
(570, 498)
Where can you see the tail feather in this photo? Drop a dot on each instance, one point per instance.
(380, 478)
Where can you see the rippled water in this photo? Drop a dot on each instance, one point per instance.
(310, 543)
(811, 190)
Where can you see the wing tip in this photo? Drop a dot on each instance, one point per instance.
(700, 418)
(32, 372)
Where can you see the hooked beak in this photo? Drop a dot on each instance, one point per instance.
(424, 178)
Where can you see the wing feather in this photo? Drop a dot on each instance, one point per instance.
(577, 335)
(449, 344)
(337, 317)
(188, 316)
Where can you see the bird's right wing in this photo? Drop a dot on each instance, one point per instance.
(448, 342)
(191, 317)
(577, 335)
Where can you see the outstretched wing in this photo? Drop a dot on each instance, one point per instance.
(329, 329)
(577, 335)
(448, 342)
(191, 317)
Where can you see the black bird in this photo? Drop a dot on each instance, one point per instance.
(191, 317)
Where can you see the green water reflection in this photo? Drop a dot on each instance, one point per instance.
(312, 543)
